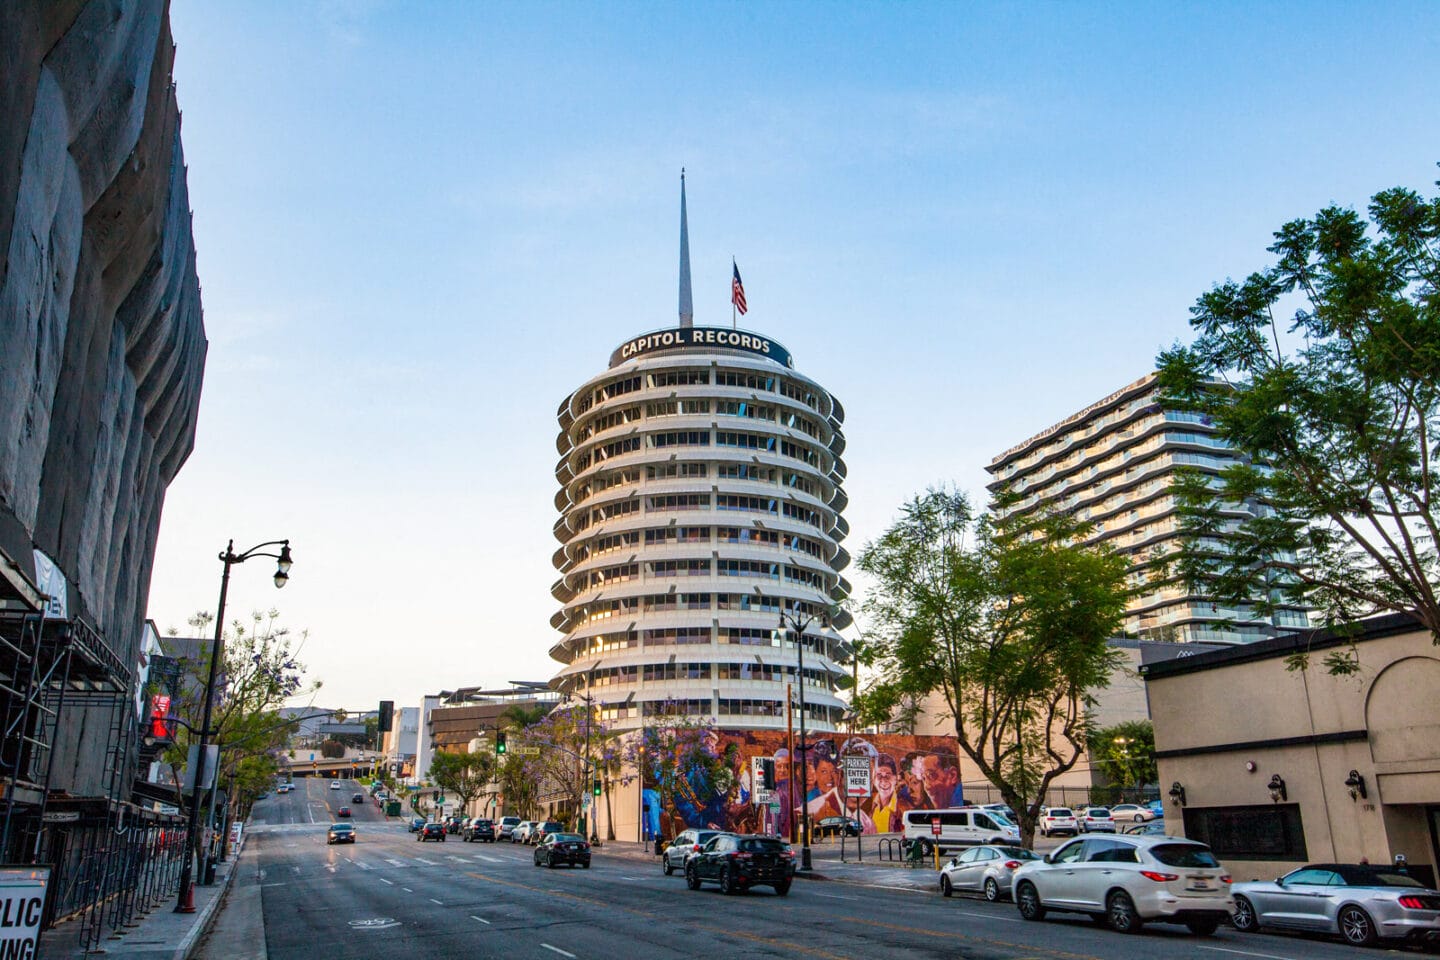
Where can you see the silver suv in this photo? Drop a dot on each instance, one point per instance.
(1127, 881)
(688, 842)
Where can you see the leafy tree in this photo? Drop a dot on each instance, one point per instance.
(466, 775)
(1125, 753)
(560, 737)
(1339, 415)
(332, 749)
(679, 754)
(1011, 629)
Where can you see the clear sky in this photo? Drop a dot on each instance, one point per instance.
(420, 226)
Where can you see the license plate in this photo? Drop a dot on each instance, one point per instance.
(1200, 885)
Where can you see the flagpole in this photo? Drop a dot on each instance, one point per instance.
(733, 268)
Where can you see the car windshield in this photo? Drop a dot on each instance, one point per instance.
(341, 828)
(761, 845)
(1183, 855)
(999, 817)
(1099, 812)
(1017, 853)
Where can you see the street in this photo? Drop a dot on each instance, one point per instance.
(389, 894)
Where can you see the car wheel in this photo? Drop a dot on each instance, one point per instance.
(550, 862)
(1120, 912)
(1044, 832)
(1027, 901)
(586, 864)
(692, 878)
(945, 887)
(782, 889)
(1245, 919)
(666, 866)
(992, 890)
(1139, 818)
(1203, 928)
(1356, 926)
(727, 882)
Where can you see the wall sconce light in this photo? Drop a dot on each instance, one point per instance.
(1177, 794)
(1356, 783)
(1277, 789)
(1249, 766)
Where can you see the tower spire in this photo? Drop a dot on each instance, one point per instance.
(687, 307)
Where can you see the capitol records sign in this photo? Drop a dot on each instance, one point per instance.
(679, 338)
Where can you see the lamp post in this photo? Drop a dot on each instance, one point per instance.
(186, 902)
(799, 624)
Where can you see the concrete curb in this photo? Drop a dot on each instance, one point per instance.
(208, 913)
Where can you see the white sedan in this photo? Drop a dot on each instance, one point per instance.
(334, 784)
(1132, 811)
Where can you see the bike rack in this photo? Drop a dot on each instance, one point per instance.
(892, 849)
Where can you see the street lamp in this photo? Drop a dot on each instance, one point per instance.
(186, 902)
(799, 624)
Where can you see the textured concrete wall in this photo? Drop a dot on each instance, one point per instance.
(102, 341)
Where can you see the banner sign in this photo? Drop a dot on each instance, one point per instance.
(857, 776)
(51, 581)
(160, 717)
(679, 338)
(22, 906)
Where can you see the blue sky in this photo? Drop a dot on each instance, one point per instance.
(419, 226)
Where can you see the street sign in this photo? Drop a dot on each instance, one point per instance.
(935, 826)
(22, 904)
(528, 751)
(857, 776)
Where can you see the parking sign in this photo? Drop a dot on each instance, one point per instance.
(857, 776)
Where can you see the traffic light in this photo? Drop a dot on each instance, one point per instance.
(767, 773)
(499, 741)
(387, 716)
(596, 788)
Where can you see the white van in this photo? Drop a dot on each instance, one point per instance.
(959, 827)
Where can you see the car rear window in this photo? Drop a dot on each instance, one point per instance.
(1183, 855)
(568, 838)
(1060, 812)
(760, 845)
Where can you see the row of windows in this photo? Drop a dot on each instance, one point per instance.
(698, 438)
(661, 569)
(744, 602)
(691, 378)
(676, 470)
(669, 536)
(726, 707)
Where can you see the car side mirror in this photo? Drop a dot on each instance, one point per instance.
(1047, 859)
(1280, 881)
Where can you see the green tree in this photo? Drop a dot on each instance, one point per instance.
(466, 775)
(1125, 753)
(1008, 620)
(1338, 413)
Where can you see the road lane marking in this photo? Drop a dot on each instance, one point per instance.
(482, 920)
(489, 859)
(407, 889)
(1246, 953)
(642, 880)
(395, 863)
(391, 882)
(279, 884)
(455, 858)
(436, 902)
(423, 860)
(832, 896)
(563, 953)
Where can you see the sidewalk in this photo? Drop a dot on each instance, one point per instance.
(162, 934)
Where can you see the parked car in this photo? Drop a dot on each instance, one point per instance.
(1156, 807)
(505, 829)
(835, 826)
(1095, 820)
(1057, 820)
(680, 849)
(417, 824)
(479, 829)
(358, 798)
(522, 831)
(557, 848)
(543, 829)
(986, 869)
(340, 833)
(431, 831)
(959, 827)
(1131, 811)
(1155, 828)
(738, 862)
(343, 812)
(334, 784)
(1129, 881)
(1363, 903)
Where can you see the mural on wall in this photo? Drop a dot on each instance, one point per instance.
(905, 773)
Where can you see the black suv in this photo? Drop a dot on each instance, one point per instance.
(835, 826)
(431, 831)
(478, 829)
(740, 862)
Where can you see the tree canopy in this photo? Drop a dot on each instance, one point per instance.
(1125, 753)
(466, 775)
(1323, 369)
(1008, 619)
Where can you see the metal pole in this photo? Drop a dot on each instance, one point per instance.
(804, 749)
(790, 775)
(186, 902)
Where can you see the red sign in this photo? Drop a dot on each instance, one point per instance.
(160, 716)
(935, 826)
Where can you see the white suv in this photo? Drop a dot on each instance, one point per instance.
(1058, 820)
(1129, 880)
(1096, 820)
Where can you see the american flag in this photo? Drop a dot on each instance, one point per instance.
(737, 289)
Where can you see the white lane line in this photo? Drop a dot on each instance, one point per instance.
(296, 869)
(407, 889)
(423, 860)
(391, 882)
(482, 920)
(830, 896)
(362, 864)
(436, 902)
(280, 884)
(395, 863)
(1246, 953)
(985, 916)
(489, 859)
(563, 953)
(456, 859)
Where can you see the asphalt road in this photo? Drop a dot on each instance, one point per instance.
(389, 895)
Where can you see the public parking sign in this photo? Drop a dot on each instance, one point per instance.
(857, 776)
(22, 904)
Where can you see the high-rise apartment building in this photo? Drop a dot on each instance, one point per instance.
(1112, 464)
(700, 496)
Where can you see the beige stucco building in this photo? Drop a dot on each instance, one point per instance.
(1279, 767)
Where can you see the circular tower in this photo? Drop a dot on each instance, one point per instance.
(700, 495)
